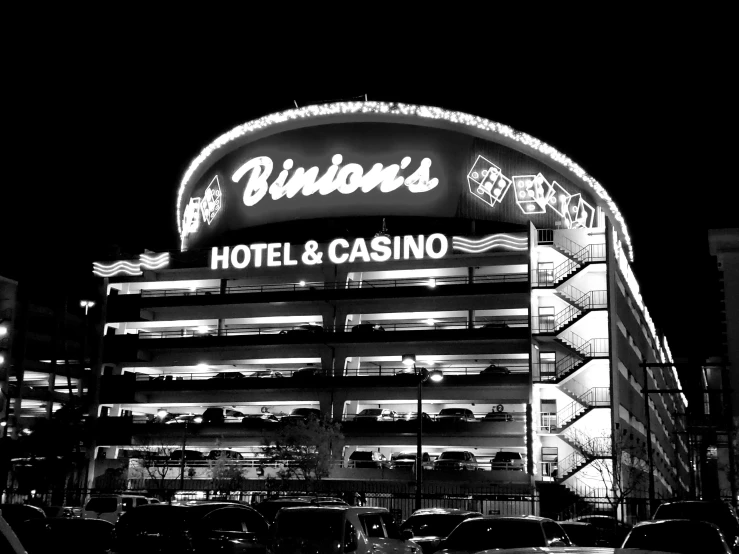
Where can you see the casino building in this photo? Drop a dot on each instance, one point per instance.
(345, 237)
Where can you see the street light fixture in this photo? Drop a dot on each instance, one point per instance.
(423, 375)
(87, 304)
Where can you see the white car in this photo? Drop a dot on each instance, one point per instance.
(110, 506)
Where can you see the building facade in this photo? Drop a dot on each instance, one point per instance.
(344, 237)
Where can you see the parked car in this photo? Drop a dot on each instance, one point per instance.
(611, 532)
(496, 325)
(367, 328)
(270, 507)
(153, 500)
(307, 372)
(456, 460)
(324, 530)
(83, 536)
(203, 527)
(260, 420)
(580, 533)
(510, 461)
(16, 514)
(225, 454)
(303, 414)
(221, 415)
(62, 511)
(413, 416)
(229, 375)
(430, 526)
(496, 532)
(302, 330)
(498, 416)
(111, 506)
(190, 455)
(407, 460)
(369, 459)
(266, 374)
(455, 414)
(186, 418)
(376, 414)
(681, 536)
(8, 538)
(493, 369)
(719, 513)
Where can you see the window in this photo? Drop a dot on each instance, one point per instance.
(391, 528)
(548, 364)
(545, 273)
(546, 318)
(225, 519)
(372, 524)
(554, 532)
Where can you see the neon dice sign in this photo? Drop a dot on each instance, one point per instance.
(533, 194)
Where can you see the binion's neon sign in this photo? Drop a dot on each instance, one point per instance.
(345, 179)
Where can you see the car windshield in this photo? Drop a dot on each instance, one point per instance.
(371, 412)
(433, 525)
(452, 456)
(482, 534)
(675, 536)
(448, 411)
(310, 524)
(102, 505)
(404, 456)
(507, 456)
(162, 519)
(361, 455)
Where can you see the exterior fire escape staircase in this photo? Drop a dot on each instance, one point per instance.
(596, 397)
(585, 451)
(578, 257)
(579, 307)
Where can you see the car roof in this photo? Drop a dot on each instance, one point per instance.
(189, 510)
(346, 508)
(451, 511)
(514, 518)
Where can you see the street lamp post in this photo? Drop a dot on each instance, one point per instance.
(422, 375)
(182, 458)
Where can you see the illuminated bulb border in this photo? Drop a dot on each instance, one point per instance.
(404, 110)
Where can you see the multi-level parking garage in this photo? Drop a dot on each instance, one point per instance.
(346, 236)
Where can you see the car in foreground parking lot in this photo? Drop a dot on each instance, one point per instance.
(326, 530)
(62, 511)
(269, 508)
(580, 533)
(84, 536)
(8, 539)
(456, 460)
(499, 532)
(203, 527)
(16, 514)
(430, 526)
(717, 512)
(680, 536)
(611, 532)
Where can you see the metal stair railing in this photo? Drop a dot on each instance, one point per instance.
(587, 348)
(587, 254)
(571, 292)
(565, 365)
(595, 299)
(569, 463)
(566, 244)
(590, 447)
(592, 398)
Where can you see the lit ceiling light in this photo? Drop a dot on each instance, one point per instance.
(3, 330)
(198, 419)
(27, 431)
(409, 359)
(193, 288)
(2, 359)
(430, 321)
(202, 366)
(3, 423)
(432, 283)
(436, 375)
(302, 283)
(203, 329)
(161, 414)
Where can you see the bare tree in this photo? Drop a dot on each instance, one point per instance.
(227, 473)
(155, 459)
(304, 448)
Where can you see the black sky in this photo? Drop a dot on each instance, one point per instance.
(105, 126)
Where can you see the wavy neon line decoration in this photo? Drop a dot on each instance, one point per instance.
(403, 111)
(485, 244)
(149, 262)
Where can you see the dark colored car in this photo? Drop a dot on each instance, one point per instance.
(369, 459)
(413, 416)
(493, 369)
(509, 461)
(498, 416)
(581, 534)
(204, 527)
(17, 514)
(260, 420)
(302, 330)
(228, 375)
(496, 325)
(611, 532)
(266, 374)
(367, 328)
(307, 372)
(407, 460)
(191, 455)
(432, 525)
(681, 536)
(713, 511)
(269, 508)
(221, 415)
(303, 414)
(83, 536)
(488, 532)
(62, 511)
(455, 414)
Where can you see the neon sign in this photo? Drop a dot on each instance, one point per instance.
(338, 251)
(346, 180)
(533, 194)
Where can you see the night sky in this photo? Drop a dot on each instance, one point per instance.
(103, 134)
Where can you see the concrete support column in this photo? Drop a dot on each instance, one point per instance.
(352, 365)
(470, 313)
(223, 292)
(50, 393)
